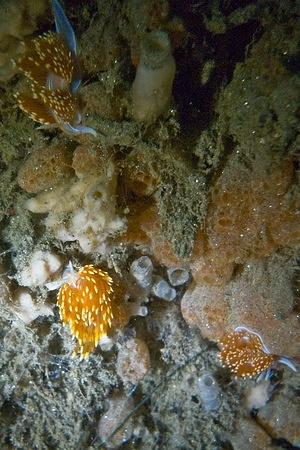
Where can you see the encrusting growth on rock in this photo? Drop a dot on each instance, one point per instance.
(87, 303)
(250, 216)
(45, 168)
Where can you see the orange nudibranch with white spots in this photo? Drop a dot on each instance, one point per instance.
(50, 99)
(51, 108)
(245, 354)
(51, 64)
(88, 304)
(48, 62)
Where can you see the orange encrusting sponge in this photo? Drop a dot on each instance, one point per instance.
(87, 307)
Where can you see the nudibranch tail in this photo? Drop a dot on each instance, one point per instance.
(287, 362)
(246, 330)
(63, 26)
(78, 129)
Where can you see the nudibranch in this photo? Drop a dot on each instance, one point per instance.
(65, 31)
(51, 64)
(88, 303)
(246, 355)
(57, 108)
(63, 26)
(48, 62)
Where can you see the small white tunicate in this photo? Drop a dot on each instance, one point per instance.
(209, 392)
(142, 311)
(106, 344)
(141, 270)
(163, 290)
(152, 86)
(178, 276)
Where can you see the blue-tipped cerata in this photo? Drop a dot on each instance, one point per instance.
(63, 26)
(75, 85)
(65, 30)
(78, 129)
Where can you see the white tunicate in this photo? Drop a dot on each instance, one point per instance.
(163, 290)
(152, 86)
(106, 344)
(141, 270)
(137, 309)
(177, 276)
(142, 311)
(209, 392)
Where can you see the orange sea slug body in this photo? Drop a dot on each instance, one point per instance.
(48, 62)
(50, 67)
(51, 64)
(86, 304)
(245, 354)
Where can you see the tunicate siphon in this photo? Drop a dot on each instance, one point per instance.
(177, 276)
(141, 270)
(209, 392)
(152, 86)
(163, 290)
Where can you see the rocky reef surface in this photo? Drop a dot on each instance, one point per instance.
(187, 196)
